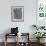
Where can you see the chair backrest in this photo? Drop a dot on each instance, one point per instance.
(24, 37)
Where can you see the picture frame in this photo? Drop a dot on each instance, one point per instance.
(17, 13)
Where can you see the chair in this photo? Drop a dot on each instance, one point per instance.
(7, 35)
(26, 41)
(14, 32)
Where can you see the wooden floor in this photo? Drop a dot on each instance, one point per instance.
(13, 44)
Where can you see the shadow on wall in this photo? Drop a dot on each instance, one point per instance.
(7, 31)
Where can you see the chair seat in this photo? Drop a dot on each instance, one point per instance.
(9, 34)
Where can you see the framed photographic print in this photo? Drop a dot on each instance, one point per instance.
(17, 13)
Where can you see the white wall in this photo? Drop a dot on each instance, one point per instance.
(29, 15)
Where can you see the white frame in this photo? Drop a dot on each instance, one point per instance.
(12, 14)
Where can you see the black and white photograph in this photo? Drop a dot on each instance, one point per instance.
(17, 13)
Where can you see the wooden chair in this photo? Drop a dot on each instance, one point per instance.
(8, 34)
(26, 37)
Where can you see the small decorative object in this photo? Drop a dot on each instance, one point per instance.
(14, 30)
(17, 13)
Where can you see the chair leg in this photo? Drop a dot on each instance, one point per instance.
(5, 40)
(5, 43)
